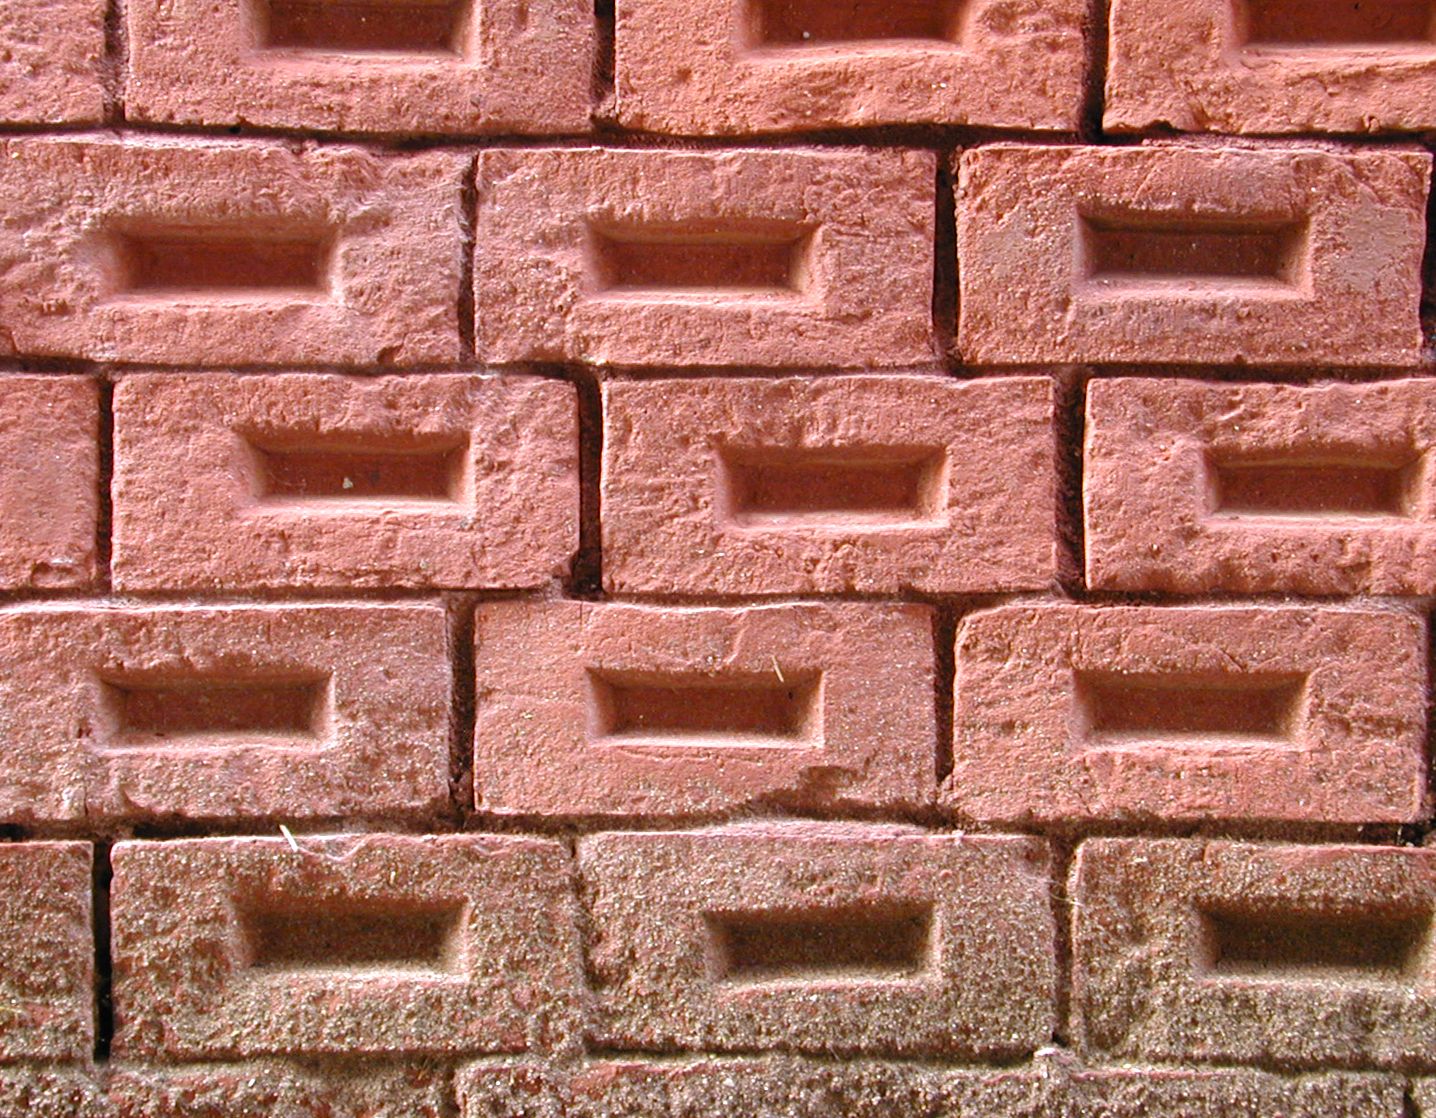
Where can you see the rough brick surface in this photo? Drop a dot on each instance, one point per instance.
(513, 66)
(868, 484)
(1326, 489)
(350, 944)
(1210, 65)
(1177, 253)
(50, 1092)
(1218, 951)
(264, 1088)
(49, 489)
(780, 258)
(200, 251)
(715, 67)
(222, 712)
(623, 709)
(51, 61)
(47, 972)
(1070, 713)
(820, 938)
(327, 481)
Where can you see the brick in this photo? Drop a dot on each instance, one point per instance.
(716, 68)
(49, 489)
(47, 1092)
(1195, 487)
(1423, 1092)
(1202, 255)
(628, 710)
(684, 258)
(305, 480)
(1270, 67)
(47, 970)
(51, 59)
(1070, 713)
(262, 1088)
(385, 944)
(471, 66)
(840, 939)
(211, 252)
(1226, 952)
(223, 712)
(801, 486)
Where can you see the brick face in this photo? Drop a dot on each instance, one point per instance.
(51, 62)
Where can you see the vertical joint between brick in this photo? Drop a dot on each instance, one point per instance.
(1070, 396)
(586, 572)
(605, 24)
(115, 62)
(944, 637)
(1094, 95)
(464, 712)
(104, 526)
(468, 219)
(104, 965)
(945, 263)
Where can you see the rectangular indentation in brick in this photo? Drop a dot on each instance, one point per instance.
(291, 935)
(636, 708)
(204, 710)
(818, 23)
(843, 487)
(1137, 250)
(1336, 23)
(887, 943)
(212, 263)
(342, 472)
(362, 26)
(1312, 487)
(1296, 945)
(737, 261)
(1118, 708)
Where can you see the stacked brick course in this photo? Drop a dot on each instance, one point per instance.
(688, 557)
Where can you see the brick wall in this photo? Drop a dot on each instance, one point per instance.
(801, 558)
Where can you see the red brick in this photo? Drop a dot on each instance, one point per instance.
(49, 489)
(265, 1088)
(332, 481)
(473, 66)
(392, 944)
(51, 57)
(47, 972)
(1278, 66)
(1424, 1095)
(1298, 956)
(216, 253)
(45, 1092)
(618, 709)
(835, 938)
(680, 258)
(867, 484)
(1258, 487)
(223, 712)
(1069, 713)
(719, 68)
(1178, 253)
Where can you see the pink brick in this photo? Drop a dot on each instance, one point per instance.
(1068, 713)
(841, 939)
(47, 1092)
(681, 258)
(216, 253)
(1297, 956)
(472, 66)
(47, 973)
(1270, 66)
(267, 1088)
(331, 481)
(618, 709)
(49, 488)
(719, 68)
(866, 484)
(1205, 255)
(1259, 487)
(384, 944)
(223, 712)
(51, 58)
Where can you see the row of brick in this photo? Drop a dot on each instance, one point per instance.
(721, 68)
(717, 487)
(793, 1087)
(181, 251)
(820, 938)
(1064, 713)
